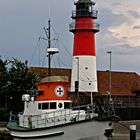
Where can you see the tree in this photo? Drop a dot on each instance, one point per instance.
(20, 81)
(15, 80)
(3, 81)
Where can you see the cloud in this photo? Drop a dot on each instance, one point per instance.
(21, 23)
(133, 13)
(136, 27)
(125, 49)
(126, 33)
(116, 4)
(119, 33)
(108, 19)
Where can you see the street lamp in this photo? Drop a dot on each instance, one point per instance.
(110, 80)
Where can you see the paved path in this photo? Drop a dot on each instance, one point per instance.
(122, 130)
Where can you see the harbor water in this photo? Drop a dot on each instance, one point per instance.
(5, 137)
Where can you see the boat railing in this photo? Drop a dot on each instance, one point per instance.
(13, 117)
(53, 118)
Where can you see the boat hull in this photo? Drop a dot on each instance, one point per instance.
(92, 129)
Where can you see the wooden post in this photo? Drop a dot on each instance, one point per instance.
(132, 132)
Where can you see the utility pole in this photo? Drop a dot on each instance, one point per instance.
(110, 78)
(110, 86)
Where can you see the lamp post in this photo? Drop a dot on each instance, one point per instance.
(110, 80)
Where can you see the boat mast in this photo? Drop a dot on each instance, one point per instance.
(49, 45)
(50, 51)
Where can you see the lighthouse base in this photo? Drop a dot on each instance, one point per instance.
(84, 71)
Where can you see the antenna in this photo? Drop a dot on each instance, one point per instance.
(49, 12)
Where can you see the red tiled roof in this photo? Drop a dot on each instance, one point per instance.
(123, 83)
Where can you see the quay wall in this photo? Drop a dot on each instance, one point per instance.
(3, 129)
(122, 130)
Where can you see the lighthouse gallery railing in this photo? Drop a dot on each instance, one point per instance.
(84, 26)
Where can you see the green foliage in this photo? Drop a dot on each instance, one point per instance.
(4, 114)
(15, 80)
(3, 75)
(3, 80)
(99, 99)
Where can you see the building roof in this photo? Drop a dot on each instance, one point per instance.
(42, 72)
(123, 83)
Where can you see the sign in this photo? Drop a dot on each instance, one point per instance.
(59, 91)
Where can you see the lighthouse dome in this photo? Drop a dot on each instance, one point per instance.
(85, 1)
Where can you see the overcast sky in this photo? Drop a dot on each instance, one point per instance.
(22, 22)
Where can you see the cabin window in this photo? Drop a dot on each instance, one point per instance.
(39, 106)
(45, 106)
(53, 105)
(66, 105)
(60, 105)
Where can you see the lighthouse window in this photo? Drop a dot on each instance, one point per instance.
(53, 105)
(90, 8)
(45, 106)
(86, 68)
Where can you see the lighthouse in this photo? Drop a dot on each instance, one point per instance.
(84, 27)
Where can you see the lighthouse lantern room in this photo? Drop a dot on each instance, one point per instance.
(84, 55)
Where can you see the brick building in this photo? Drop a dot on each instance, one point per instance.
(125, 85)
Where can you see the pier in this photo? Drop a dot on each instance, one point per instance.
(122, 130)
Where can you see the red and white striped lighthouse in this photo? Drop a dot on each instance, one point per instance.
(84, 54)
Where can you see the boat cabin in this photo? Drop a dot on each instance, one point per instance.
(52, 96)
